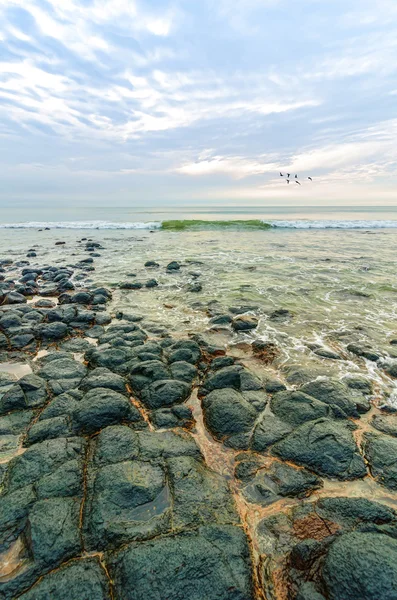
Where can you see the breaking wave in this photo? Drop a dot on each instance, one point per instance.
(183, 225)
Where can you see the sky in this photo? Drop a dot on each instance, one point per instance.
(183, 102)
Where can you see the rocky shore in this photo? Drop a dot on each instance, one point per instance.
(138, 465)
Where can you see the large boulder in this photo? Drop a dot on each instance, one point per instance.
(324, 446)
(102, 407)
(361, 565)
(211, 563)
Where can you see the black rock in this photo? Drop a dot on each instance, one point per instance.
(84, 579)
(212, 563)
(102, 407)
(361, 565)
(364, 350)
(151, 283)
(173, 266)
(324, 446)
(381, 454)
(244, 323)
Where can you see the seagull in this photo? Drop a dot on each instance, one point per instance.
(281, 175)
(310, 178)
(297, 182)
(289, 175)
(296, 176)
(287, 180)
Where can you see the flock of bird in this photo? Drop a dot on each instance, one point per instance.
(295, 178)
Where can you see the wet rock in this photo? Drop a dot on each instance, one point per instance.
(361, 565)
(280, 314)
(51, 332)
(195, 287)
(265, 351)
(169, 418)
(295, 374)
(164, 393)
(324, 446)
(65, 481)
(54, 530)
(151, 263)
(103, 378)
(120, 505)
(221, 320)
(102, 407)
(391, 368)
(15, 423)
(212, 563)
(173, 266)
(385, 424)
(335, 393)
(81, 580)
(268, 431)
(235, 377)
(131, 285)
(152, 283)
(29, 392)
(296, 408)
(62, 405)
(200, 495)
(381, 454)
(220, 362)
(228, 412)
(186, 350)
(81, 298)
(326, 353)
(14, 298)
(244, 323)
(273, 385)
(356, 382)
(49, 429)
(183, 371)
(364, 351)
(42, 459)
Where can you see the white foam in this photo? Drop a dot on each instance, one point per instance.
(82, 225)
(333, 224)
(287, 224)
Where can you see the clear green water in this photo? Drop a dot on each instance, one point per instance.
(340, 286)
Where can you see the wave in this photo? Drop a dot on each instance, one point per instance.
(81, 225)
(197, 224)
(333, 224)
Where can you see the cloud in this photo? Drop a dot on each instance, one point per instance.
(169, 92)
(237, 167)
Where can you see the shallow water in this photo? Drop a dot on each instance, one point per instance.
(338, 285)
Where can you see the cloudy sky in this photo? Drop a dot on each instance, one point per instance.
(160, 102)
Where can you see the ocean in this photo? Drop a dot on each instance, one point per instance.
(332, 269)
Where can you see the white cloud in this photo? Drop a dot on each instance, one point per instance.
(236, 166)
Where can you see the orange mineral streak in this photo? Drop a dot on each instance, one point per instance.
(141, 409)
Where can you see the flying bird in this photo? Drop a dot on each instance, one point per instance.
(289, 175)
(297, 182)
(310, 178)
(281, 175)
(296, 176)
(287, 180)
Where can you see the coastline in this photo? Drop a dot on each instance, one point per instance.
(248, 461)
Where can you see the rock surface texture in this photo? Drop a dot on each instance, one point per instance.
(137, 465)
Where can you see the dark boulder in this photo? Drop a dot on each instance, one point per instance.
(81, 580)
(244, 323)
(381, 454)
(102, 407)
(164, 393)
(324, 446)
(361, 565)
(211, 563)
